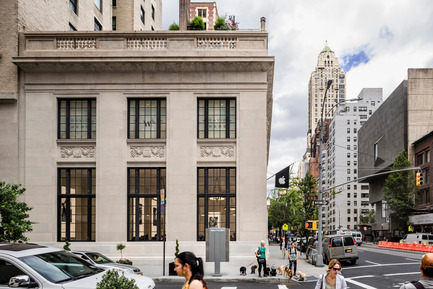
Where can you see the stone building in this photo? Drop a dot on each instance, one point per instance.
(206, 10)
(133, 136)
(403, 118)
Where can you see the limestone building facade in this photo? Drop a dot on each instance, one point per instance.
(133, 137)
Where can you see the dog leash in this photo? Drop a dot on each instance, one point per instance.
(251, 264)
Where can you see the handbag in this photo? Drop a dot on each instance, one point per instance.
(261, 260)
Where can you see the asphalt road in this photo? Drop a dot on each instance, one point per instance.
(376, 268)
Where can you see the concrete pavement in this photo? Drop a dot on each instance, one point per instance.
(231, 273)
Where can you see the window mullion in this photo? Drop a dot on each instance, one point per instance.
(137, 118)
(68, 119)
(158, 119)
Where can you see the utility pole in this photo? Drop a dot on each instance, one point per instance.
(319, 262)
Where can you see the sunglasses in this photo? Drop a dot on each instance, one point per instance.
(336, 269)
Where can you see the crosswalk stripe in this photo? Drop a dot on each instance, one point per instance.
(282, 287)
(360, 284)
(229, 287)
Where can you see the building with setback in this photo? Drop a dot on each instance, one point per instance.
(348, 199)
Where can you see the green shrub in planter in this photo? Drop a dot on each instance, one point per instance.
(112, 280)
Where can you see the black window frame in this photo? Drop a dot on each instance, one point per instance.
(97, 25)
(229, 125)
(62, 211)
(114, 23)
(153, 12)
(134, 234)
(142, 14)
(91, 103)
(161, 118)
(206, 195)
(73, 4)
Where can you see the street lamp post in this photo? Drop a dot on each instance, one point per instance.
(319, 262)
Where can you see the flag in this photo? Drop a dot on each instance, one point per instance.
(282, 178)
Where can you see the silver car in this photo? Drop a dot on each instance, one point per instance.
(100, 261)
(35, 266)
(341, 247)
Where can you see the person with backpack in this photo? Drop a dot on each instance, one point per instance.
(293, 257)
(426, 280)
(261, 258)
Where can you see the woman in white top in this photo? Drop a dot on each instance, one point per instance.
(332, 280)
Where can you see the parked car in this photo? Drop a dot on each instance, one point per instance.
(100, 261)
(311, 245)
(418, 238)
(341, 247)
(43, 267)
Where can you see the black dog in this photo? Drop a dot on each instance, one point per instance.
(267, 270)
(253, 269)
(243, 271)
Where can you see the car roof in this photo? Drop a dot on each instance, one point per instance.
(25, 249)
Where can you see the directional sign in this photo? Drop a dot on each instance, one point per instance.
(321, 202)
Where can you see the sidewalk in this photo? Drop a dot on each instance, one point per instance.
(275, 257)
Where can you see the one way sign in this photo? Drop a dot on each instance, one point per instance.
(321, 202)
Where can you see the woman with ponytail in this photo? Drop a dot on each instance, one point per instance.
(187, 265)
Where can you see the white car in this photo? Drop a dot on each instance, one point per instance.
(35, 266)
(100, 261)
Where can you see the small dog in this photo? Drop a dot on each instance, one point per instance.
(253, 269)
(243, 271)
(288, 272)
(302, 276)
(280, 270)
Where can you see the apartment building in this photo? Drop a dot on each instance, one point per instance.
(348, 199)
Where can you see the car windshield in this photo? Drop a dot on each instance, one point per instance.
(59, 266)
(99, 258)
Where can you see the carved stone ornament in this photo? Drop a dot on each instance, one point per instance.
(147, 151)
(217, 151)
(77, 152)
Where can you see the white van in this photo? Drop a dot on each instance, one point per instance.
(356, 235)
(418, 238)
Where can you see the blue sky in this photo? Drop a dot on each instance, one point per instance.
(376, 42)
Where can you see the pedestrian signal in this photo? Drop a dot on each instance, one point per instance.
(311, 225)
(419, 179)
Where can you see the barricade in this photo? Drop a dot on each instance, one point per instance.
(406, 246)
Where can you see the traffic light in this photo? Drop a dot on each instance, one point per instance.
(311, 225)
(419, 179)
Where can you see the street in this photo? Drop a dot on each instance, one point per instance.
(376, 268)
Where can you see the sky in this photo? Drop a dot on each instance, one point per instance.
(376, 42)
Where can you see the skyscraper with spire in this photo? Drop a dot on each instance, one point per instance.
(327, 69)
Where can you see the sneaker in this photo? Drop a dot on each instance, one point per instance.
(260, 276)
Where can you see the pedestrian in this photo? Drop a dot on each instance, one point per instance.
(293, 258)
(283, 247)
(332, 278)
(261, 258)
(187, 265)
(426, 280)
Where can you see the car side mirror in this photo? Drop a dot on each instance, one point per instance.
(19, 281)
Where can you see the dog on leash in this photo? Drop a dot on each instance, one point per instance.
(302, 276)
(280, 270)
(253, 269)
(288, 273)
(243, 271)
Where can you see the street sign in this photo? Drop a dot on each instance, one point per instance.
(311, 198)
(285, 227)
(321, 202)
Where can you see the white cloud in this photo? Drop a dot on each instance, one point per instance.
(396, 35)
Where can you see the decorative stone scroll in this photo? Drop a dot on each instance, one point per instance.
(76, 43)
(147, 43)
(77, 152)
(217, 42)
(217, 151)
(147, 151)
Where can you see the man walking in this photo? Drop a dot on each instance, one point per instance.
(426, 269)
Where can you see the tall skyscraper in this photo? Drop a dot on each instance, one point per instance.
(327, 69)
